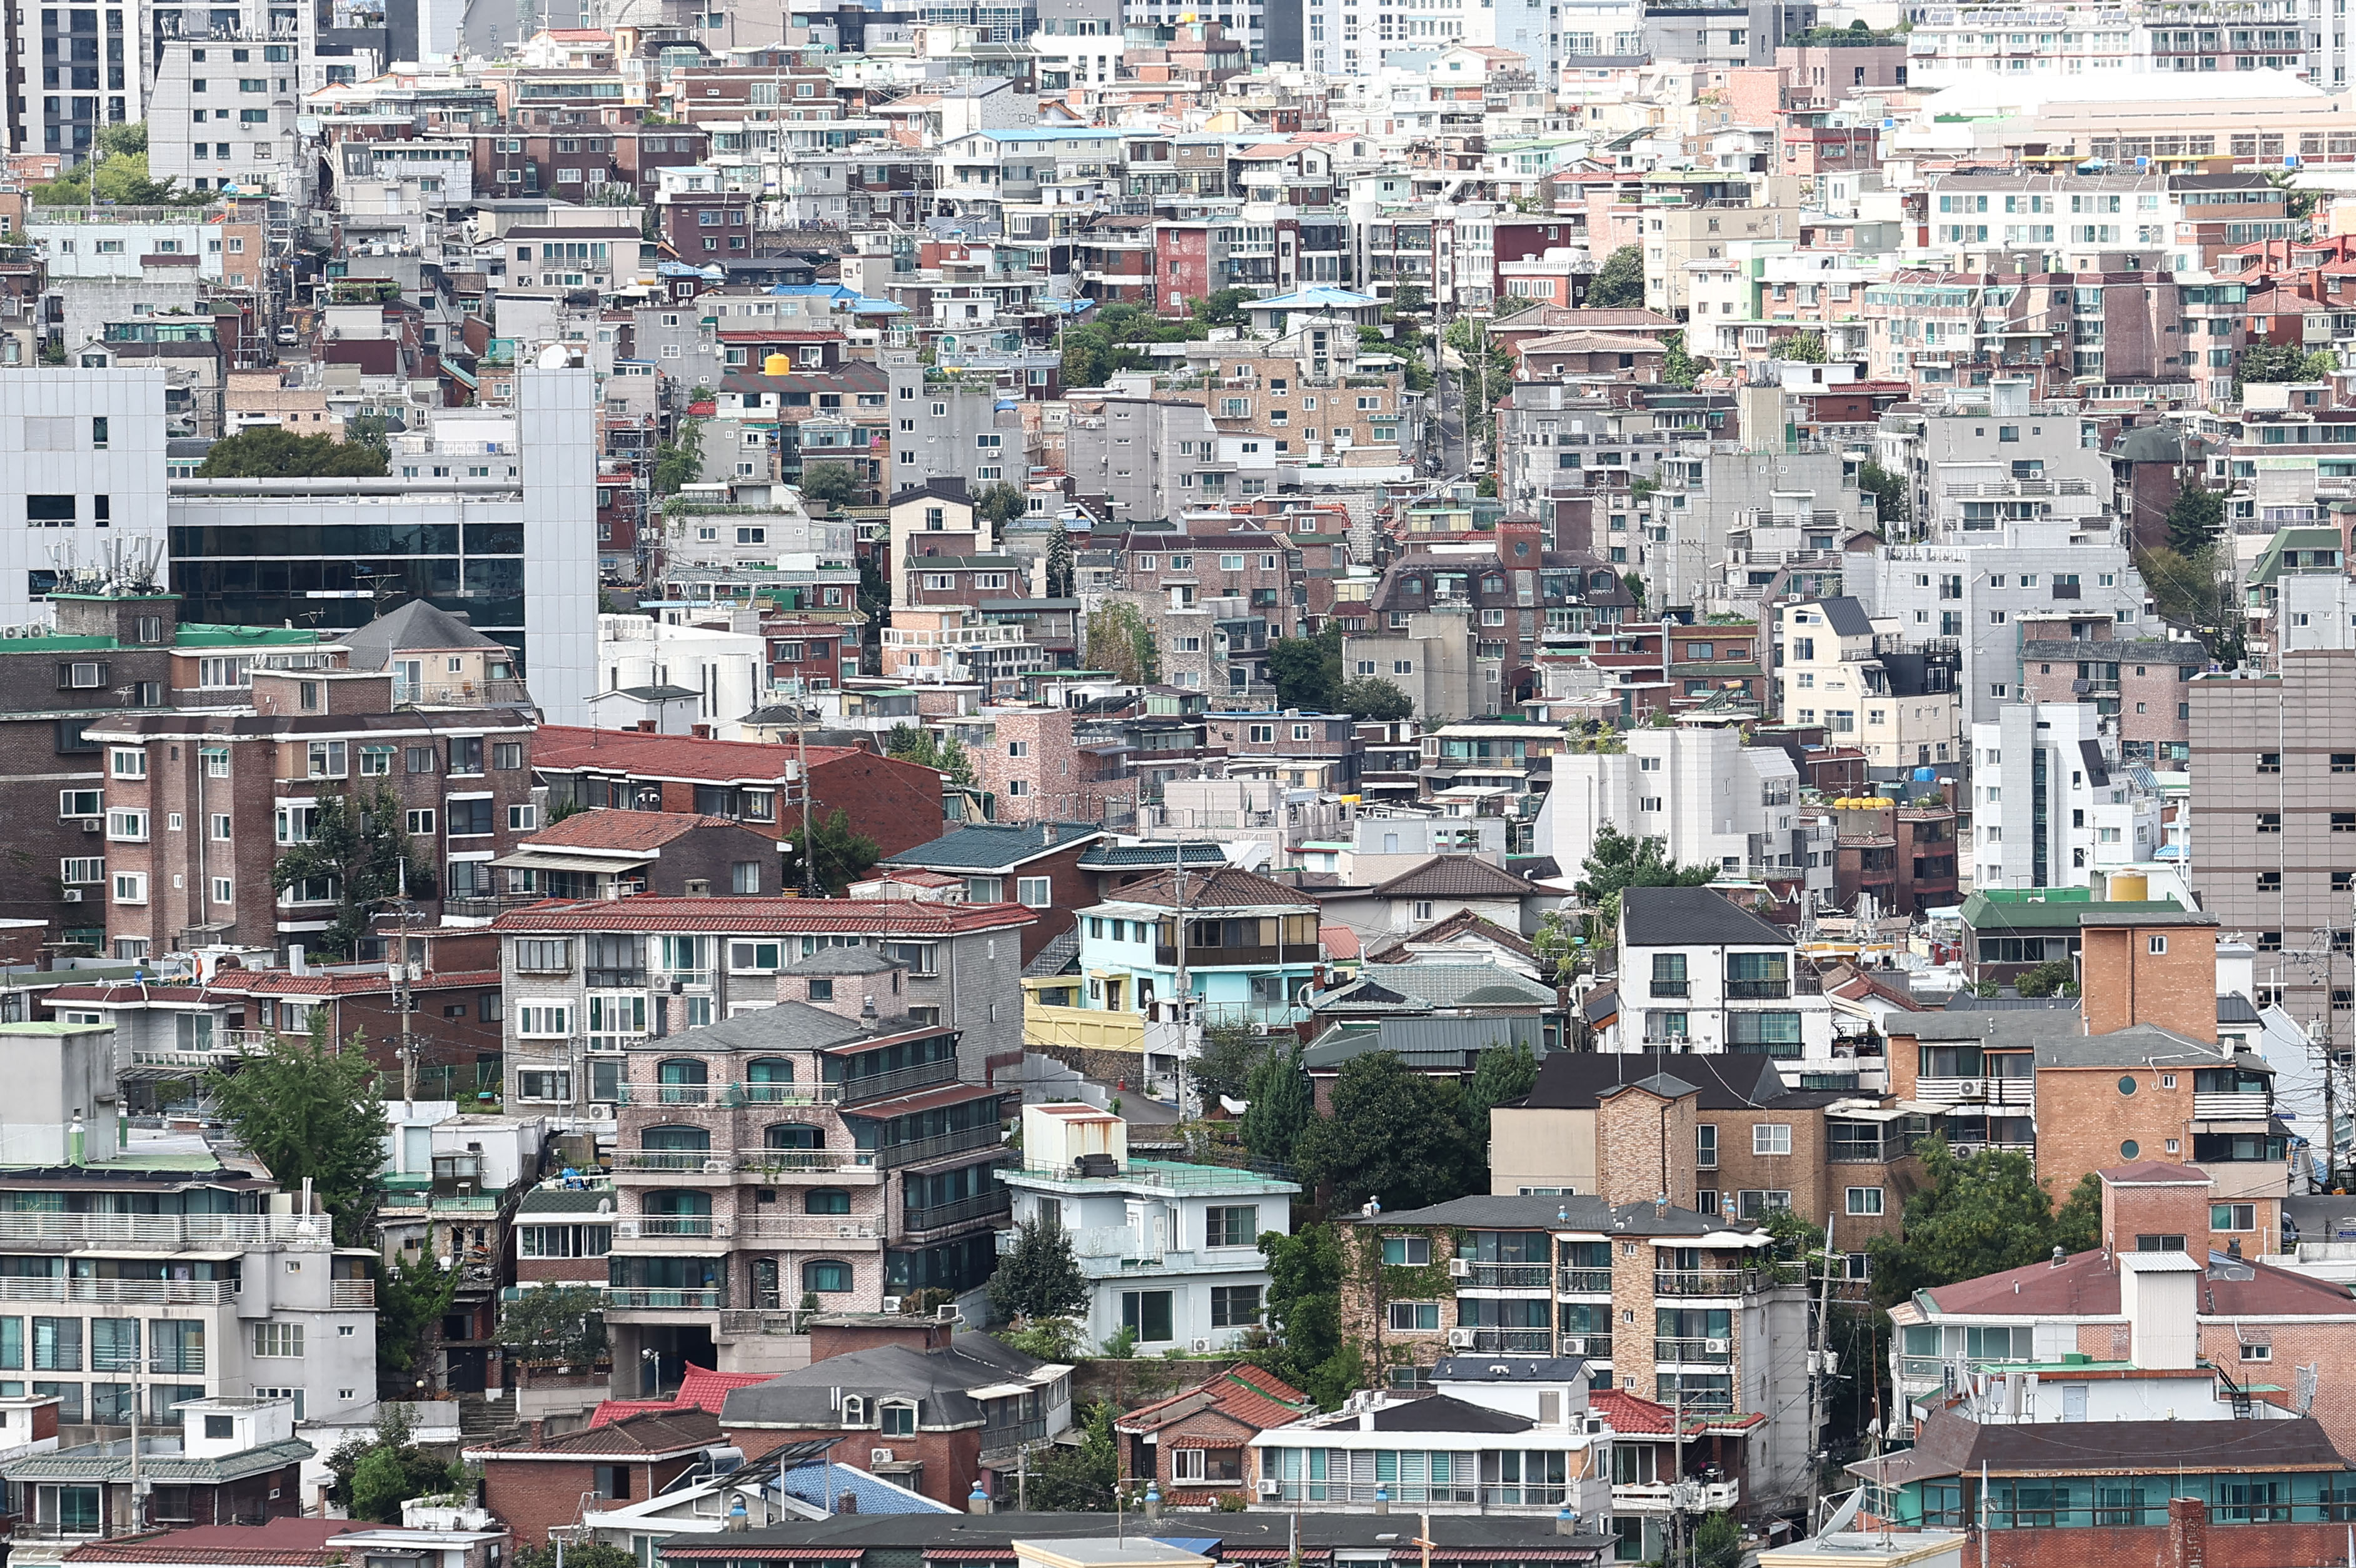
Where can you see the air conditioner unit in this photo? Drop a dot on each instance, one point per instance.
(73, 895)
(946, 1312)
(715, 1168)
(1594, 1426)
(1458, 1269)
(891, 1304)
(1460, 1339)
(1717, 1347)
(93, 824)
(1200, 1347)
(846, 1230)
(879, 1455)
(1574, 1345)
(626, 1230)
(1269, 1486)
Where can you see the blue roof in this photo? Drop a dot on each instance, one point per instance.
(821, 1484)
(1314, 299)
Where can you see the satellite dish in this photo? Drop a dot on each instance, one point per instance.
(554, 357)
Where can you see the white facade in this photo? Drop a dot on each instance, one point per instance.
(1710, 996)
(1709, 799)
(86, 448)
(727, 671)
(2057, 762)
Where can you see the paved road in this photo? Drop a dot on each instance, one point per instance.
(1449, 400)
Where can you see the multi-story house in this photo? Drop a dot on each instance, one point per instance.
(1170, 1250)
(817, 1149)
(2139, 682)
(173, 1273)
(199, 805)
(1702, 974)
(2051, 805)
(1238, 944)
(1901, 706)
(587, 981)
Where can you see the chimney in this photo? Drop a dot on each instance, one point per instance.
(868, 1018)
(1047, 833)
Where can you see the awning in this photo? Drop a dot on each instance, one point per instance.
(548, 860)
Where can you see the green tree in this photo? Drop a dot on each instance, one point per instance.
(410, 1298)
(1059, 563)
(2282, 362)
(379, 1487)
(1408, 299)
(555, 1323)
(1800, 347)
(1503, 1074)
(2078, 1224)
(1620, 861)
(1307, 671)
(1717, 1541)
(118, 172)
(1975, 1214)
(1001, 503)
(1281, 1105)
(1619, 283)
(2054, 977)
(1889, 493)
(266, 451)
(1053, 1339)
(359, 842)
(1372, 697)
(926, 749)
(2198, 591)
(1078, 1479)
(1306, 1347)
(124, 141)
(398, 1468)
(831, 484)
(680, 462)
(2195, 518)
(1392, 1133)
(577, 1554)
(839, 854)
(1040, 1278)
(309, 1110)
(1678, 369)
(1633, 581)
(1120, 641)
(1224, 307)
(1230, 1054)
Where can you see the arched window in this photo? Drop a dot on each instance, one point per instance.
(827, 1200)
(794, 1135)
(680, 1081)
(826, 1276)
(683, 1139)
(768, 1080)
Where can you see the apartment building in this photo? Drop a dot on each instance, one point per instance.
(1170, 1250)
(1240, 945)
(1712, 978)
(821, 1146)
(86, 449)
(2275, 851)
(1900, 704)
(2138, 683)
(2051, 803)
(587, 982)
(199, 805)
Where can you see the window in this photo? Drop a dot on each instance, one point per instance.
(81, 801)
(1036, 892)
(542, 955)
(127, 763)
(1234, 1306)
(1414, 1316)
(1865, 1200)
(421, 823)
(826, 1276)
(57, 1344)
(2233, 1216)
(507, 754)
(523, 819)
(744, 876)
(2156, 946)
(1705, 1153)
(899, 1420)
(545, 1084)
(1234, 1225)
(278, 1340)
(1148, 1313)
(1771, 1138)
(1406, 1252)
(127, 827)
(544, 1019)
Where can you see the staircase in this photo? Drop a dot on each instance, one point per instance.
(483, 1421)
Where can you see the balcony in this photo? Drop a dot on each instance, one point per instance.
(1690, 1497)
(828, 1228)
(1583, 1281)
(1704, 1281)
(930, 1148)
(163, 1233)
(1503, 1341)
(685, 1162)
(980, 1206)
(1694, 1352)
(650, 1226)
(785, 1093)
(121, 1292)
(1976, 1090)
(1672, 989)
(1504, 1277)
(1594, 1347)
(1408, 1494)
(1758, 990)
(876, 1085)
(640, 1299)
(1005, 1436)
(352, 1295)
(2212, 1107)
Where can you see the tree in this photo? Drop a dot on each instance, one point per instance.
(1120, 641)
(360, 844)
(1619, 283)
(577, 1554)
(397, 1469)
(2197, 590)
(266, 451)
(1307, 671)
(1408, 299)
(679, 462)
(830, 848)
(915, 744)
(1053, 1339)
(1800, 347)
(831, 483)
(555, 1323)
(1975, 1214)
(1372, 697)
(2195, 518)
(118, 173)
(410, 1298)
(1223, 308)
(1889, 493)
(2282, 362)
(1633, 581)
(1079, 1480)
(1305, 1347)
(1392, 1133)
(1503, 1074)
(1678, 369)
(379, 1483)
(1620, 861)
(1001, 503)
(1229, 1055)
(1281, 1105)
(2078, 1224)
(1040, 1278)
(2054, 977)
(1718, 1538)
(1059, 563)
(309, 1110)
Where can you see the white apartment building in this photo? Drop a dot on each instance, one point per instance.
(1698, 973)
(83, 451)
(1951, 45)
(719, 675)
(1858, 678)
(2050, 806)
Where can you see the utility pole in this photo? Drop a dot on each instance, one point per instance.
(1818, 1337)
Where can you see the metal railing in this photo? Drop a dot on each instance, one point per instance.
(639, 1298)
(813, 1228)
(1507, 1276)
(926, 1148)
(1594, 1347)
(120, 1291)
(165, 1233)
(1694, 1352)
(650, 1225)
(2214, 1107)
(874, 1085)
(1757, 990)
(1008, 1435)
(1504, 1341)
(1704, 1281)
(676, 1161)
(1411, 1493)
(980, 1205)
(1583, 1281)
(1672, 989)
(788, 1094)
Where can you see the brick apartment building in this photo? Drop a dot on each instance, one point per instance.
(2144, 682)
(539, 1483)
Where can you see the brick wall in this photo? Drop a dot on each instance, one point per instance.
(897, 804)
(951, 1460)
(1645, 1147)
(533, 1496)
(2084, 1122)
(2123, 983)
(2186, 1541)
(1802, 1173)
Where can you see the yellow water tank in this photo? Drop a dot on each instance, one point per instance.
(776, 365)
(2129, 885)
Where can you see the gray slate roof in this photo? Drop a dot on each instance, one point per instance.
(414, 625)
(1431, 983)
(936, 1380)
(1694, 917)
(112, 1462)
(992, 845)
(1847, 617)
(565, 1201)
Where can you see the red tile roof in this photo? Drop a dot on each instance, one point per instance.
(279, 1543)
(619, 830)
(642, 1434)
(1340, 941)
(882, 917)
(563, 747)
(2087, 1286)
(1246, 1393)
(700, 1388)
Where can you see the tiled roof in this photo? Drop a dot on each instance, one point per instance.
(1103, 856)
(1246, 1393)
(1454, 877)
(2088, 1286)
(609, 829)
(880, 917)
(563, 747)
(1340, 941)
(647, 1432)
(112, 1462)
(699, 1388)
(1464, 923)
(995, 845)
(1684, 917)
(1228, 887)
(279, 1543)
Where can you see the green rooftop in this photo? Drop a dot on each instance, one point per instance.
(2055, 909)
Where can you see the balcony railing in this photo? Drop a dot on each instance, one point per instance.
(787, 1094)
(1409, 1494)
(928, 1148)
(2210, 1107)
(814, 1228)
(647, 1225)
(1970, 1091)
(680, 1161)
(980, 1206)
(638, 1298)
(1694, 1352)
(1692, 1497)
(1583, 1281)
(1704, 1282)
(1503, 1341)
(1594, 1347)
(352, 1295)
(1000, 1436)
(1507, 1276)
(120, 1291)
(1757, 990)
(1672, 988)
(163, 1232)
(875, 1085)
